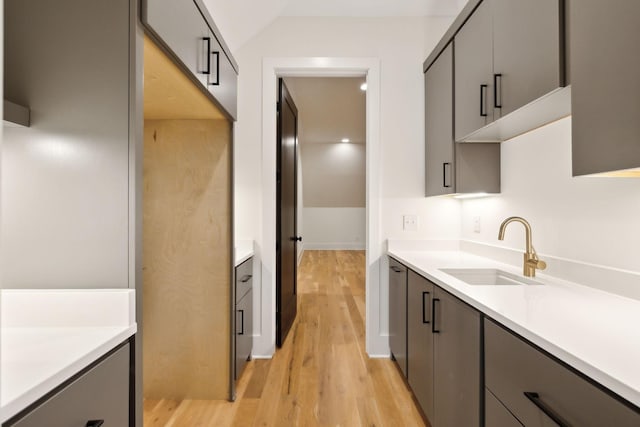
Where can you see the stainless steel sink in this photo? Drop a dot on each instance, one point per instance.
(488, 277)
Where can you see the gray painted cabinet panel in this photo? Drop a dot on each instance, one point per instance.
(513, 367)
(457, 362)
(527, 51)
(420, 341)
(65, 180)
(244, 331)
(438, 84)
(496, 414)
(605, 80)
(398, 313)
(100, 394)
(473, 72)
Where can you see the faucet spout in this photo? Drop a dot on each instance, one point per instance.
(531, 260)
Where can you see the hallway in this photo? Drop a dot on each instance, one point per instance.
(322, 375)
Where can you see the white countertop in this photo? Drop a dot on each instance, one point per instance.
(50, 335)
(243, 251)
(596, 332)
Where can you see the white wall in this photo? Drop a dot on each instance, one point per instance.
(335, 228)
(400, 44)
(594, 220)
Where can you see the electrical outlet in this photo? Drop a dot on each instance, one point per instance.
(476, 224)
(410, 222)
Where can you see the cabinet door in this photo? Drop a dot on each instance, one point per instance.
(100, 394)
(527, 52)
(244, 331)
(473, 70)
(398, 313)
(605, 85)
(222, 81)
(438, 85)
(457, 362)
(420, 341)
(180, 25)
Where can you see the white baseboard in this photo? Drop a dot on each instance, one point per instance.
(335, 246)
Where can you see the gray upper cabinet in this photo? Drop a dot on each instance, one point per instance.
(439, 152)
(186, 29)
(473, 73)
(398, 313)
(605, 80)
(508, 55)
(527, 52)
(451, 167)
(420, 340)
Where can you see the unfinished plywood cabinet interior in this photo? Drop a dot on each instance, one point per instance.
(187, 237)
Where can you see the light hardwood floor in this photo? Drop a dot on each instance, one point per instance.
(322, 376)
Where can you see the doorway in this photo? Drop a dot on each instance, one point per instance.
(273, 68)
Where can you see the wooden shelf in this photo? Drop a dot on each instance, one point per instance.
(15, 115)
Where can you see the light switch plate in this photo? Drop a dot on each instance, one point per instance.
(410, 222)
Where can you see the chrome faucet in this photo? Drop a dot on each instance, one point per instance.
(531, 260)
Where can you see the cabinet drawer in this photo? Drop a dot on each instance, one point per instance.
(100, 394)
(534, 386)
(244, 279)
(244, 332)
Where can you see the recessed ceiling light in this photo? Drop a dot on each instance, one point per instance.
(363, 86)
(345, 140)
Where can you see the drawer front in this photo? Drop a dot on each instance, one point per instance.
(244, 279)
(496, 415)
(100, 394)
(244, 332)
(513, 368)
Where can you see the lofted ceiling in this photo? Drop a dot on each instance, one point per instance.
(240, 20)
(329, 108)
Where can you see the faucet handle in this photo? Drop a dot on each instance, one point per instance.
(538, 264)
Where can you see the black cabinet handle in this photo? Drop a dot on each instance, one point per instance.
(245, 278)
(94, 423)
(535, 399)
(425, 318)
(207, 49)
(446, 166)
(497, 90)
(396, 269)
(216, 82)
(433, 315)
(241, 322)
(483, 100)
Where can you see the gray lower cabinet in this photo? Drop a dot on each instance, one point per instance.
(244, 316)
(101, 394)
(496, 414)
(186, 29)
(398, 313)
(444, 354)
(605, 80)
(539, 391)
(420, 341)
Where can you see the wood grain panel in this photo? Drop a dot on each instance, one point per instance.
(169, 93)
(187, 265)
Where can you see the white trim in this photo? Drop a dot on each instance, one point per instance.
(335, 246)
(272, 68)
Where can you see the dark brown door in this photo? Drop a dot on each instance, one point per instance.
(286, 225)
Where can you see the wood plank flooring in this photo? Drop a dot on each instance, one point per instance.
(322, 375)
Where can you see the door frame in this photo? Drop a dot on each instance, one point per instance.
(377, 342)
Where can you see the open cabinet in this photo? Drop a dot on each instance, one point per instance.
(187, 237)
